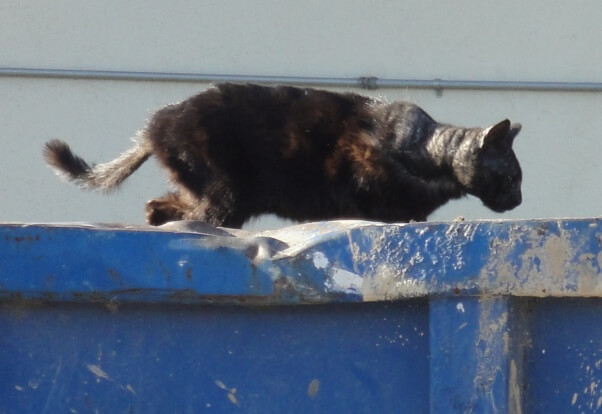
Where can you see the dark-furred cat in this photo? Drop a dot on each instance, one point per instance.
(238, 151)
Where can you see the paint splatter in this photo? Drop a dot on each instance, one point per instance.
(130, 389)
(220, 385)
(313, 388)
(96, 370)
(231, 397)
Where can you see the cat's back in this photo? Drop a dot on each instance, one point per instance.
(287, 102)
(280, 122)
(252, 110)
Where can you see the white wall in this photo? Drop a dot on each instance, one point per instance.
(559, 147)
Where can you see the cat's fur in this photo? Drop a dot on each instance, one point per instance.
(237, 151)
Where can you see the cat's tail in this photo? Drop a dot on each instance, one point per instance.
(104, 177)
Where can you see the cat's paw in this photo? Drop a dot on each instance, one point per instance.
(160, 211)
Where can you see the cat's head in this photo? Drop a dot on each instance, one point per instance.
(495, 174)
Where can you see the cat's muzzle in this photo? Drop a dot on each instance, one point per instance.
(505, 202)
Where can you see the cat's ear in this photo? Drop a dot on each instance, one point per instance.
(501, 134)
(514, 130)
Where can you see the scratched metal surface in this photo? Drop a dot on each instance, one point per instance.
(482, 317)
(319, 262)
(66, 358)
(564, 358)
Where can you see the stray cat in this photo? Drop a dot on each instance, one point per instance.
(238, 151)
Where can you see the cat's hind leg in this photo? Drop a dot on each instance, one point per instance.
(183, 206)
(170, 207)
(218, 207)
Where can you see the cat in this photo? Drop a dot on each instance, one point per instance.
(236, 151)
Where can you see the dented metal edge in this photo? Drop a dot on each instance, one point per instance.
(377, 262)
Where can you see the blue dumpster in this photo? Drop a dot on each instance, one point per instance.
(331, 317)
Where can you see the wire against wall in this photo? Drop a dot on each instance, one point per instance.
(364, 82)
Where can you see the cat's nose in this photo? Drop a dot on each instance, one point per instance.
(516, 200)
